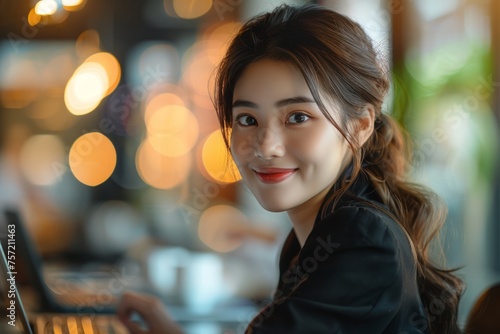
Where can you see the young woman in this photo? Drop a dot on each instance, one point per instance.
(299, 98)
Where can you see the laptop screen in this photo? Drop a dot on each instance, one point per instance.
(14, 319)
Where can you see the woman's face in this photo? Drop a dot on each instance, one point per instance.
(287, 152)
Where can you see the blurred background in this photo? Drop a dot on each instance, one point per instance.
(109, 143)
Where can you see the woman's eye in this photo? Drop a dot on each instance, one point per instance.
(297, 118)
(246, 120)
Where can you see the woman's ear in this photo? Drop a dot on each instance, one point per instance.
(365, 124)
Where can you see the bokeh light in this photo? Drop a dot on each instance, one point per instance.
(86, 88)
(92, 158)
(87, 43)
(33, 18)
(191, 9)
(159, 101)
(73, 5)
(172, 130)
(218, 40)
(217, 161)
(42, 159)
(160, 171)
(58, 17)
(222, 228)
(198, 71)
(46, 7)
(110, 65)
(96, 78)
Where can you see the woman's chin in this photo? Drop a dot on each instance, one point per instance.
(273, 207)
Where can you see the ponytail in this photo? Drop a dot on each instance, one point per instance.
(420, 213)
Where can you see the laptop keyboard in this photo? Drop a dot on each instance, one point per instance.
(75, 299)
(62, 324)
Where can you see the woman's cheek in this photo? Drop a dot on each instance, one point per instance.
(241, 148)
(308, 143)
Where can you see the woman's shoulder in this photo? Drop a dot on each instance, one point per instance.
(351, 276)
(361, 224)
(359, 216)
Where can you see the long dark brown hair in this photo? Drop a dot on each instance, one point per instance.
(337, 58)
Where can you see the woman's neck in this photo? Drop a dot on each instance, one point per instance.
(304, 215)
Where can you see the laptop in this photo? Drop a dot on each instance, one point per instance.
(16, 320)
(75, 299)
(60, 316)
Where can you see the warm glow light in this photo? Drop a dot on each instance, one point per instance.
(58, 17)
(222, 228)
(33, 18)
(71, 2)
(46, 7)
(160, 101)
(87, 325)
(73, 5)
(96, 78)
(198, 73)
(217, 161)
(160, 171)
(18, 98)
(110, 65)
(219, 39)
(203, 109)
(225, 31)
(42, 159)
(86, 88)
(92, 158)
(172, 130)
(191, 9)
(87, 43)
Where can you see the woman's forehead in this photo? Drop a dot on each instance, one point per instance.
(268, 78)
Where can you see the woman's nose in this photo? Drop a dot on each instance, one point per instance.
(269, 144)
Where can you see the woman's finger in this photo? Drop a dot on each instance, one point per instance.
(150, 309)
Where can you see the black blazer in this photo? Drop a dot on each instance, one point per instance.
(355, 274)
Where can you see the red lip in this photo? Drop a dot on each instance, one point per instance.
(274, 175)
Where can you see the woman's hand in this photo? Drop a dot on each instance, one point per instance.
(152, 312)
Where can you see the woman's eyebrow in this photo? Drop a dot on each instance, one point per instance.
(279, 104)
(244, 103)
(294, 100)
